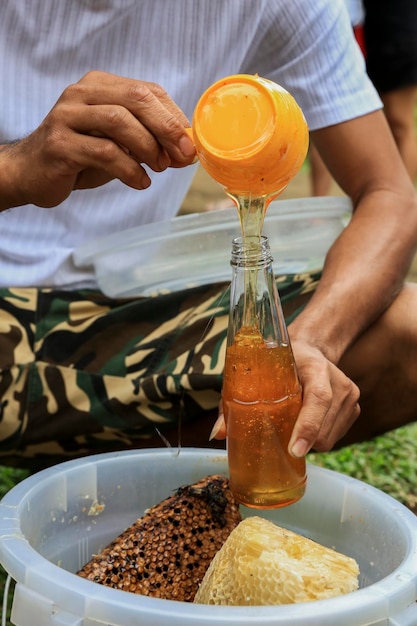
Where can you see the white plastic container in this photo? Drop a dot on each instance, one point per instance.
(46, 533)
(193, 250)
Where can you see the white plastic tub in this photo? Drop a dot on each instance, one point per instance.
(193, 250)
(46, 533)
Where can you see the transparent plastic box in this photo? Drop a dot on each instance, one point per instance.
(192, 250)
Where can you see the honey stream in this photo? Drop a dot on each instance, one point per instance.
(251, 212)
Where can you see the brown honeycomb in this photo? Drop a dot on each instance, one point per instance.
(166, 553)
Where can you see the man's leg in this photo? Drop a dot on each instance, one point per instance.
(383, 363)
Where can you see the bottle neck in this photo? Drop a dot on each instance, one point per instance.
(254, 299)
(251, 252)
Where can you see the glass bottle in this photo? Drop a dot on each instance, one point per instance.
(261, 393)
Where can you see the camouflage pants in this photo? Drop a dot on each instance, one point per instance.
(81, 373)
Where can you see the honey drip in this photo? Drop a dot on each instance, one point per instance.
(251, 213)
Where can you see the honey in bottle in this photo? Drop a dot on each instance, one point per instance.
(261, 393)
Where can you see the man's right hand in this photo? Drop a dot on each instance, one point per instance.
(102, 127)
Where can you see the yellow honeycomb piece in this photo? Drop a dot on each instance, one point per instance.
(263, 564)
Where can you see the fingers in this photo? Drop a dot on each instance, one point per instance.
(106, 135)
(74, 160)
(108, 161)
(112, 88)
(219, 429)
(101, 128)
(330, 407)
(140, 115)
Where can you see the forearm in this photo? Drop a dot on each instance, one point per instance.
(364, 271)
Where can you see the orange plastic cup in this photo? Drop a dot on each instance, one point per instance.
(250, 135)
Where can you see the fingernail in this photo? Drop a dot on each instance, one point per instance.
(215, 429)
(186, 146)
(146, 181)
(163, 160)
(189, 132)
(300, 448)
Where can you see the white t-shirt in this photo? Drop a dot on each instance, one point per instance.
(307, 46)
(356, 11)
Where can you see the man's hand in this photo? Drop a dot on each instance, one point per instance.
(101, 128)
(330, 404)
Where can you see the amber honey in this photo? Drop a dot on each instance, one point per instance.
(261, 399)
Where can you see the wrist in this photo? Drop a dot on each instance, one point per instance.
(11, 190)
(328, 341)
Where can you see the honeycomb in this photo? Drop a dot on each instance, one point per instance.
(166, 553)
(263, 564)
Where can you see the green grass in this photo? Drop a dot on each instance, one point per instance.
(9, 477)
(388, 462)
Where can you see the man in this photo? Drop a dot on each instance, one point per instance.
(390, 34)
(387, 36)
(83, 373)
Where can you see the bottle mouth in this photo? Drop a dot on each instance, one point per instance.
(251, 251)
